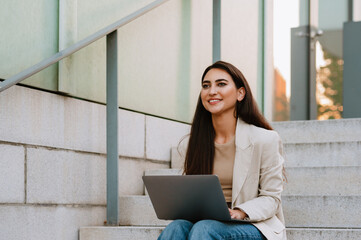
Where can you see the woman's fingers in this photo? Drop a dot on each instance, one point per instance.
(237, 214)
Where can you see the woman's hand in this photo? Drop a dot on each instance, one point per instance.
(237, 214)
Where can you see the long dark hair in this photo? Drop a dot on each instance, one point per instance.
(200, 154)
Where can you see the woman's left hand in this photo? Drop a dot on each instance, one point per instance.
(237, 214)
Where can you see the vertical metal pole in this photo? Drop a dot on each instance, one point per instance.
(351, 70)
(216, 30)
(350, 11)
(300, 56)
(314, 12)
(261, 56)
(112, 129)
(300, 65)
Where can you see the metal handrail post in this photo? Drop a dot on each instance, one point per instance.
(216, 35)
(112, 128)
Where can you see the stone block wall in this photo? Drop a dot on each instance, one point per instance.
(53, 161)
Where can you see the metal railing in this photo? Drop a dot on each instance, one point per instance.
(77, 46)
(111, 96)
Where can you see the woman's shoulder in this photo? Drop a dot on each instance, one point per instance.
(259, 134)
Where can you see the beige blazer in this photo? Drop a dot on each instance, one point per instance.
(257, 178)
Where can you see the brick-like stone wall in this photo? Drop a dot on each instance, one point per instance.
(53, 161)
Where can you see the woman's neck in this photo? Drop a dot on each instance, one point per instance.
(224, 127)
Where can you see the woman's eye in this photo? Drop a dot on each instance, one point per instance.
(205, 86)
(222, 84)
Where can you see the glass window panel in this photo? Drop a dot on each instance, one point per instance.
(286, 16)
(329, 62)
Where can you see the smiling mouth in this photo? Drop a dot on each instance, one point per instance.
(214, 100)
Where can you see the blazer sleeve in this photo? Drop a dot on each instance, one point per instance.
(267, 203)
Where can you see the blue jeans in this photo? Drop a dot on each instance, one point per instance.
(210, 229)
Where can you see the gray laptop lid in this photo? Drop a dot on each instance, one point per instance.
(190, 197)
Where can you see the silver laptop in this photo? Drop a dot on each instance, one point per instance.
(190, 197)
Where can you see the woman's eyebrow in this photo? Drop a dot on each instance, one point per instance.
(218, 80)
(221, 79)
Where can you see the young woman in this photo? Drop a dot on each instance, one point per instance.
(230, 138)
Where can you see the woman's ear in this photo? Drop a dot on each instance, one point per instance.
(241, 93)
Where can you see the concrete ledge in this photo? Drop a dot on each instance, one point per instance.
(151, 233)
(300, 211)
(308, 154)
(131, 134)
(308, 180)
(47, 222)
(323, 154)
(161, 135)
(168, 171)
(12, 182)
(138, 210)
(116, 233)
(131, 172)
(322, 234)
(36, 117)
(322, 211)
(326, 181)
(319, 131)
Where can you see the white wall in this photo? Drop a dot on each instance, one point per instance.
(239, 41)
(357, 10)
(161, 55)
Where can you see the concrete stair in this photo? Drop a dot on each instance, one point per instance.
(131, 207)
(330, 181)
(119, 233)
(147, 233)
(322, 199)
(323, 234)
(300, 211)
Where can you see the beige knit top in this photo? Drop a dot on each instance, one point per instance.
(223, 166)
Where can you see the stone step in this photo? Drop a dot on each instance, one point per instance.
(323, 234)
(151, 233)
(164, 171)
(309, 154)
(300, 211)
(323, 154)
(322, 211)
(342, 130)
(116, 233)
(329, 181)
(330, 142)
(138, 210)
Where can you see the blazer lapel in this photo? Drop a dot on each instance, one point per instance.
(243, 158)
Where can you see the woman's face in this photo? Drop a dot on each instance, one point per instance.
(219, 93)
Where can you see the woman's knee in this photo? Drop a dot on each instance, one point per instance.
(204, 229)
(178, 229)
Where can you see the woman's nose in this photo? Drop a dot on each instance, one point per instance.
(213, 90)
